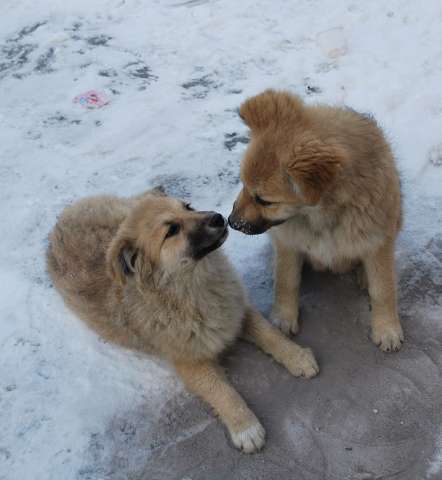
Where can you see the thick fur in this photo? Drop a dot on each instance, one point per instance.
(115, 265)
(335, 200)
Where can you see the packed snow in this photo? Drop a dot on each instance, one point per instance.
(174, 73)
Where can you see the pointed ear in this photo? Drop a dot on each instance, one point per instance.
(121, 257)
(312, 167)
(158, 191)
(271, 108)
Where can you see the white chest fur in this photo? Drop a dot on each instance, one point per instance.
(327, 238)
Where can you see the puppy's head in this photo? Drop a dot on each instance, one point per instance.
(286, 165)
(162, 235)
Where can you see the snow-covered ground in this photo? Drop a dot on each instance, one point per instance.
(175, 72)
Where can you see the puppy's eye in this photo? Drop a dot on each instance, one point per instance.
(261, 201)
(187, 206)
(174, 229)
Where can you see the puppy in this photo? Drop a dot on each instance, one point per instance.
(146, 274)
(325, 181)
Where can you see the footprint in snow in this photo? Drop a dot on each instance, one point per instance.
(435, 155)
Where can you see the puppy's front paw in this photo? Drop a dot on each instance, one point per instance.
(287, 321)
(389, 338)
(303, 364)
(250, 439)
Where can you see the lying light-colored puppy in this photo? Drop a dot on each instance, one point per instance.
(145, 273)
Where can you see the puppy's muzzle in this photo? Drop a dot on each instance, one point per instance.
(243, 226)
(261, 226)
(209, 235)
(216, 220)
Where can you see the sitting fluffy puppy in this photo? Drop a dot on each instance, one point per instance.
(325, 180)
(145, 273)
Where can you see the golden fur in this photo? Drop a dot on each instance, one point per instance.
(119, 267)
(325, 181)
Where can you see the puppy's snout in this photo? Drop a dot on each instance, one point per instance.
(208, 235)
(216, 220)
(238, 223)
(235, 221)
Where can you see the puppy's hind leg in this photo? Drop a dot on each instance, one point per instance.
(299, 361)
(386, 330)
(207, 380)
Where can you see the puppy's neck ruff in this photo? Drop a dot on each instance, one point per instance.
(188, 277)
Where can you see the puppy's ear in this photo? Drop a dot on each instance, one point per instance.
(121, 257)
(158, 191)
(271, 108)
(313, 166)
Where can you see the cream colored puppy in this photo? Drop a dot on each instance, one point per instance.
(146, 273)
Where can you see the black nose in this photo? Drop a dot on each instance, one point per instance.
(216, 221)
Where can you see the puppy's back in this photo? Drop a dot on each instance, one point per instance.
(358, 132)
(77, 250)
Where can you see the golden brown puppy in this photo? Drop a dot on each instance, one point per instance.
(145, 273)
(325, 179)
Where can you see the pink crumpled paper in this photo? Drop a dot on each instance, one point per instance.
(91, 99)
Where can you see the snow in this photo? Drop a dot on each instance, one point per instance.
(175, 72)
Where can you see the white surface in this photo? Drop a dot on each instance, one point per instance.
(59, 384)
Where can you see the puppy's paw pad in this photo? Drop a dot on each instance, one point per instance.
(304, 364)
(251, 439)
(387, 338)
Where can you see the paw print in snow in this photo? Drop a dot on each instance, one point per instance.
(333, 42)
(435, 155)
